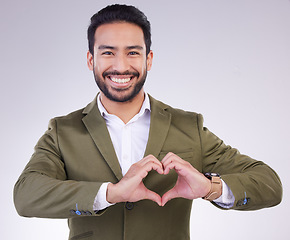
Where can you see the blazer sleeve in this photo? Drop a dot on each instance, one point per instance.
(253, 183)
(43, 190)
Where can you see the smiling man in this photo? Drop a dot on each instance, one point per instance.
(128, 166)
(120, 63)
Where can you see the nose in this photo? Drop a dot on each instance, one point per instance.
(121, 63)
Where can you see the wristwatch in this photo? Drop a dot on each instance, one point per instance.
(215, 190)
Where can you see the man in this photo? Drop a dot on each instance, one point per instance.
(128, 166)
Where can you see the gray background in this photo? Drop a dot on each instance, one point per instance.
(228, 59)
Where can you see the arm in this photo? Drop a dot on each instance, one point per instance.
(253, 183)
(43, 190)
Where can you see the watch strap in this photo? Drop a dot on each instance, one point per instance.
(215, 190)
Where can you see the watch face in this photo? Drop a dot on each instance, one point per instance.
(210, 175)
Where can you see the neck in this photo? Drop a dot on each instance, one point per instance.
(124, 110)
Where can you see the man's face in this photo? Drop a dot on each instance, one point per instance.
(120, 63)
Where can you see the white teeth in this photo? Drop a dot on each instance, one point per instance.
(120, 80)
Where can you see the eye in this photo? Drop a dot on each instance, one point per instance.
(132, 53)
(107, 53)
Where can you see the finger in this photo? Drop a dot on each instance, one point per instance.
(168, 157)
(150, 158)
(157, 166)
(177, 166)
(171, 157)
(158, 169)
(150, 195)
(143, 170)
(153, 196)
(167, 162)
(168, 167)
(172, 193)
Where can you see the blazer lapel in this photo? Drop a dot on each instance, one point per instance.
(97, 128)
(159, 126)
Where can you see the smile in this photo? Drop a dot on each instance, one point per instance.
(120, 80)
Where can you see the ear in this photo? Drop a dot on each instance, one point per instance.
(149, 60)
(90, 61)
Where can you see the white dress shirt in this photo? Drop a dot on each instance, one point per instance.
(129, 141)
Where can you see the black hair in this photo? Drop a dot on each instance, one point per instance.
(119, 13)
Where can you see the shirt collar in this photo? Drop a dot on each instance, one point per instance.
(145, 106)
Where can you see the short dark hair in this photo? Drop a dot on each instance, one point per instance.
(119, 13)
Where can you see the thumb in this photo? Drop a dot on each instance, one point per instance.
(153, 196)
(168, 196)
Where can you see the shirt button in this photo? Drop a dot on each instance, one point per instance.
(129, 205)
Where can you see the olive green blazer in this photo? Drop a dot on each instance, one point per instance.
(75, 156)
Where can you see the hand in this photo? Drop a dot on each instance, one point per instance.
(131, 188)
(190, 184)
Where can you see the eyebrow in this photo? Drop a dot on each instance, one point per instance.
(101, 47)
(105, 47)
(135, 47)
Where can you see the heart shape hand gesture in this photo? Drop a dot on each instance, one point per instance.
(190, 184)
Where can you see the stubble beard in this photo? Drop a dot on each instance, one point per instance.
(117, 95)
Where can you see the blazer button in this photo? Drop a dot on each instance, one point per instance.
(243, 202)
(129, 205)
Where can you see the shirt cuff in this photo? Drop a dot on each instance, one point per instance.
(100, 202)
(227, 199)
